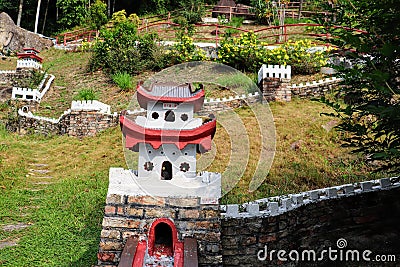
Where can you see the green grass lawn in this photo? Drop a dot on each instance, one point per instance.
(63, 208)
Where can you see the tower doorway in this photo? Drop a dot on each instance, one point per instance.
(166, 171)
(163, 239)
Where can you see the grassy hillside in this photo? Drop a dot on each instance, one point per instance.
(55, 186)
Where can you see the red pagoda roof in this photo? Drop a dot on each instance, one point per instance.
(171, 93)
(29, 55)
(135, 134)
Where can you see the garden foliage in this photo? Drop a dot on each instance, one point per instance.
(123, 50)
(123, 80)
(371, 113)
(247, 53)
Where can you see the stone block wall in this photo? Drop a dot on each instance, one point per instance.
(12, 77)
(27, 125)
(212, 105)
(315, 89)
(133, 215)
(366, 218)
(278, 89)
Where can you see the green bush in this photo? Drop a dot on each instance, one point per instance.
(186, 51)
(248, 54)
(36, 78)
(97, 14)
(123, 50)
(86, 94)
(123, 80)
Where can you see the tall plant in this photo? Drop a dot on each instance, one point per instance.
(371, 114)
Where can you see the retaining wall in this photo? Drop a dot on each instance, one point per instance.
(28, 94)
(12, 77)
(366, 216)
(273, 81)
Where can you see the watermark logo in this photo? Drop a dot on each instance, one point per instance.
(338, 253)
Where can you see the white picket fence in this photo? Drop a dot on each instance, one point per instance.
(274, 71)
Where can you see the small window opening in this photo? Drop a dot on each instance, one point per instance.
(169, 116)
(184, 117)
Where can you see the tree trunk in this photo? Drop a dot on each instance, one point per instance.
(45, 16)
(37, 15)
(109, 8)
(300, 9)
(21, 4)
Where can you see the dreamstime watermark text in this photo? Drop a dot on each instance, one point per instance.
(338, 253)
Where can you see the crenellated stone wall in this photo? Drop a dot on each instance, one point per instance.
(364, 216)
(276, 89)
(315, 88)
(273, 81)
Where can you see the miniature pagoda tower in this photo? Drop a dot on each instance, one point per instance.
(29, 59)
(165, 210)
(169, 136)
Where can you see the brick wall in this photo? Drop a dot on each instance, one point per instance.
(87, 123)
(276, 89)
(133, 215)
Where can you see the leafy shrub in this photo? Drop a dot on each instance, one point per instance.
(264, 10)
(247, 53)
(123, 50)
(235, 22)
(118, 17)
(123, 80)
(243, 52)
(302, 59)
(134, 19)
(97, 14)
(186, 51)
(86, 94)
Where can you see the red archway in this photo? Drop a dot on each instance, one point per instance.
(152, 233)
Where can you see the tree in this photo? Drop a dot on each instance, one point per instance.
(97, 14)
(71, 13)
(45, 16)
(370, 116)
(37, 15)
(21, 4)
